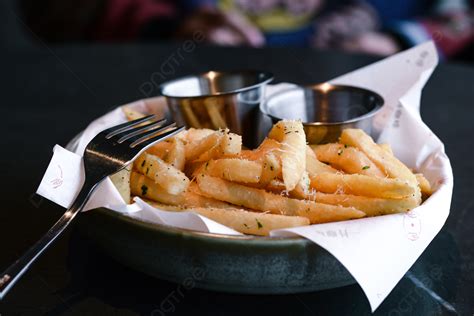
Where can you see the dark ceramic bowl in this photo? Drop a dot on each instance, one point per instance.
(235, 264)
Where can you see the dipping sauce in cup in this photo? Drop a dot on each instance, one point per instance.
(218, 100)
(325, 109)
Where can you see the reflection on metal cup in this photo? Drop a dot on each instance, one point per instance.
(324, 109)
(218, 100)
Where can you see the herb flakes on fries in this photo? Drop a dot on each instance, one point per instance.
(283, 183)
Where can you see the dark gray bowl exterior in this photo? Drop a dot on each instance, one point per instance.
(248, 265)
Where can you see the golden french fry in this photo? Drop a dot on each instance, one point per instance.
(195, 149)
(358, 184)
(314, 166)
(293, 150)
(267, 146)
(194, 168)
(121, 181)
(271, 169)
(168, 177)
(261, 200)
(369, 205)
(277, 186)
(387, 148)
(253, 223)
(246, 154)
(303, 191)
(348, 159)
(388, 163)
(229, 144)
(424, 185)
(160, 149)
(194, 134)
(237, 170)
(303, 188)
(145, 187)
(176, 154)
(131, 114)
(243, 221)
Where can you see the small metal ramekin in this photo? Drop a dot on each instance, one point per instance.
(324, 109)
(219, 100)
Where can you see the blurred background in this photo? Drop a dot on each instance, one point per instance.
(375, 27)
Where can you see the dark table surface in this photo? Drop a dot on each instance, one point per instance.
(50, 94)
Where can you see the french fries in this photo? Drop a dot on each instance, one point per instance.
(271, 169)
(161, 149)
(424, 185)
(176, 154)
(303, 187)
(293, 150)
(348, 159)
(218, 144)
(243, 221)
(371, 206)
(195, 149)
(238, 170)
(314, 166)
(387, 148)
(145, 187)
(131, 114)
(121, 181)
(386, 161)
(168, 177)
(229, 144)
(282, 183)
(194, 134)
(260, 200)
(358, 184)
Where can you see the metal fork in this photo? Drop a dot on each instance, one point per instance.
(109, 152)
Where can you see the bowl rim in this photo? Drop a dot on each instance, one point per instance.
(380, 104)
(268, 77)
(265, 240)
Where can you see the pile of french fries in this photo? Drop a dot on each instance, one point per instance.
(283, 183)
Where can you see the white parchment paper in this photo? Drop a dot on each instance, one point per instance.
(377, 251)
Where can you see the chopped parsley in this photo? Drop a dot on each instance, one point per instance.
(365, 167)
(259, 225)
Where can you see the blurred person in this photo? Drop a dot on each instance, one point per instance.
(223, 22)
(403, 24)
(371, 26)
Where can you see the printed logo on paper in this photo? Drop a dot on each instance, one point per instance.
(412, 225)
(58, 181)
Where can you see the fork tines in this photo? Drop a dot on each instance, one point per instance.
(142, 132)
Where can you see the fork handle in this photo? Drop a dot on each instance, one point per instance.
(11, 275)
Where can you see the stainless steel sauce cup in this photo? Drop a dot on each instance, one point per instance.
(324, 109)
(219, 100)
